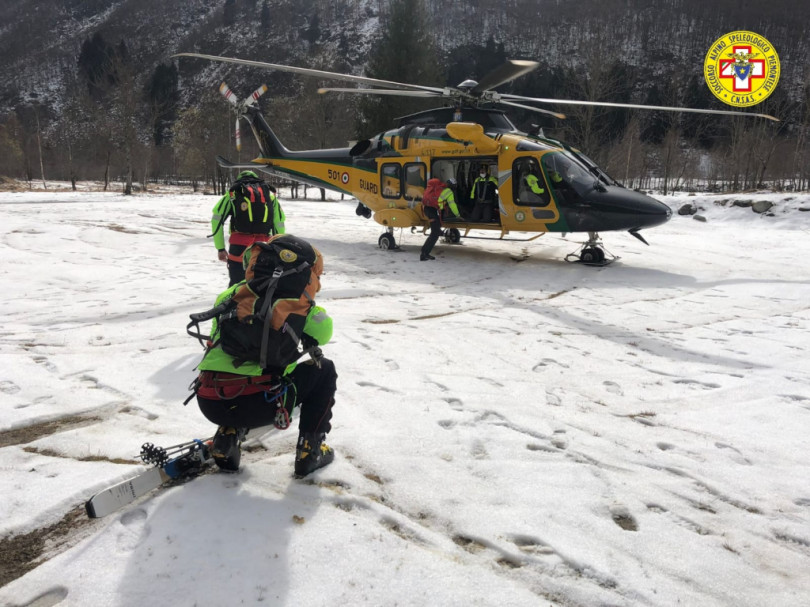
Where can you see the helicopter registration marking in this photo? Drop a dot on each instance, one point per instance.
(368, 186)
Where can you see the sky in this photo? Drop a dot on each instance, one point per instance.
(509, 428)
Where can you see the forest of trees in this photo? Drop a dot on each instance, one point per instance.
(125, 120)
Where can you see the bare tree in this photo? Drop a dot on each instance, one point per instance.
(200, 133)
(11, 152)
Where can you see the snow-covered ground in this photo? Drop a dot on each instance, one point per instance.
(510, 429)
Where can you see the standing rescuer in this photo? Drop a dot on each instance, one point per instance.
(256, 215)
(433, 207)
(484, 194)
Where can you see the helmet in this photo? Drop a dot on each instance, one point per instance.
(244, 174)
(452, 182)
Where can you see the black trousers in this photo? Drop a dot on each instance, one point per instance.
(435, 230)
(482, 211)
(236, 271)
(313, 389)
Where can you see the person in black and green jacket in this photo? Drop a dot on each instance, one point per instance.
(240, 395)
(255, 214)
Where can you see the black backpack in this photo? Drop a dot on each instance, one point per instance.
(264, 319)
(252, 206)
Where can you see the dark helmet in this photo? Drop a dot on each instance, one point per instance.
(244, 174)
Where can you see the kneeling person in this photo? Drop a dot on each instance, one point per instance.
(250, 376)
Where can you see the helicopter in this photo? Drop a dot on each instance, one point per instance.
(388, 173)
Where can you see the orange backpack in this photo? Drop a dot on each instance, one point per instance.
(432, 192)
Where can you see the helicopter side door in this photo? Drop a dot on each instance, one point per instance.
(402, 181)
(533, 203)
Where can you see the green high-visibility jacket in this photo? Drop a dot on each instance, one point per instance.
(448, 197)
(534, 184)
(484, 188)
(224, 207)
(318, 326)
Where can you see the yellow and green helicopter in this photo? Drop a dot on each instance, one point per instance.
(388, 173)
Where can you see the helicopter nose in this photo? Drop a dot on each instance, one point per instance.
(651, 212)
(615, 208)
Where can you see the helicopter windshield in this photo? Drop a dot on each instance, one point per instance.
(594, 168)
(565, 172)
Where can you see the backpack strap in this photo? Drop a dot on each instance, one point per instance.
(278, 273)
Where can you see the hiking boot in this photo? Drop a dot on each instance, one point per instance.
(312, 453)
(225, 450)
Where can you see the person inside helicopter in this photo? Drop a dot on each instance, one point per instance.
(569, 179)
(485, 195)
(531, 187)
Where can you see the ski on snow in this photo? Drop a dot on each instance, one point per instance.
(185, 460)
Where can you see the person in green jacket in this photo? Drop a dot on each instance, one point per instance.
(484, 194)
(434, 215)
(239, 395)
(532, 190)
(255, 214)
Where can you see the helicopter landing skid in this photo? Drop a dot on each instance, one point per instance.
(592, 253)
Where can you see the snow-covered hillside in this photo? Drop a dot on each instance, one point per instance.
(510, 429)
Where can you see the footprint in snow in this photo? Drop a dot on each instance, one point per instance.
(43, 360)
(9, 387)
(133, 530)
(622, 517)
(51, 597)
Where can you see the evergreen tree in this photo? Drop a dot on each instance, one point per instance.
(701, 129)
(162, 95)
(406, 52)
(95, 63)
(265, 15)
(313, 33)
(656, 124)
(229, 12)
(475, 61)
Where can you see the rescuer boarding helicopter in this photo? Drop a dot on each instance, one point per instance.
(388, 173)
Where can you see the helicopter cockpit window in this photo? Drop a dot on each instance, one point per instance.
(415, 181)
(568, 178)
(391, 177)
(528, 186)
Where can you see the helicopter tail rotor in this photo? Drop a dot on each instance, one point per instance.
(226, 92)
(240, 107)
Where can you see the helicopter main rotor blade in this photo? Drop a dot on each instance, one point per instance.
(532, 108)
(637, 106)
(507, 72)
(399, 93)
(310, 72)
